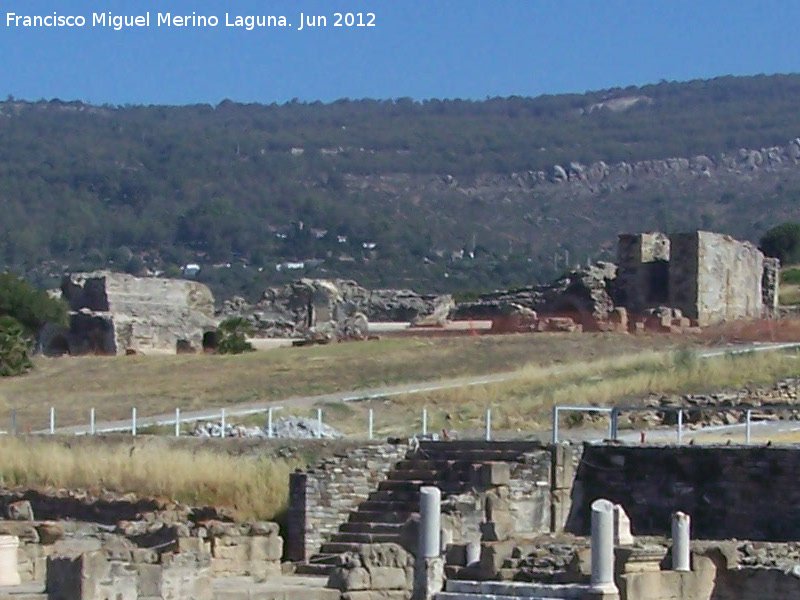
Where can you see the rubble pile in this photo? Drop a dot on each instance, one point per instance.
(285, 427)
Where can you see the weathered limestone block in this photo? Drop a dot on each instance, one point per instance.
(342, 578)
(384, 555)
(185, 576)
(495, 473)
(388, 578)
(90, 576)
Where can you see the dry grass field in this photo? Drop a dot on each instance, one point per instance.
(524, 405)
(159, 384)
(249, 485)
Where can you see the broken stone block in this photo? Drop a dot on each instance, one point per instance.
(349, 579)
(622, 527)
(495, 473)
(20, 511)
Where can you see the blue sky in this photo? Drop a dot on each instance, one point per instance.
(418, 48)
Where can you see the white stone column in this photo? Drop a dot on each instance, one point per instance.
(681, 541)
(429, 567)
(430, 521)
(602, 580)
(9, 575)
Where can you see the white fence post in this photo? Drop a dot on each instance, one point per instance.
(133, 421)
(269, 423)
(52, 420)
(371, 422)
(319, 423)
(424, 421)
(177, 422)
(680, 426)
(222, 423)
(747, 426)
(555, 424)
(488, 424)
(91, 422)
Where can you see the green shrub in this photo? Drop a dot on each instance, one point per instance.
(782, 242)
(790, 276)
(15, 348)
(232, 336)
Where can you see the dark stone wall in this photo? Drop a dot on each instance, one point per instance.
(730, 492)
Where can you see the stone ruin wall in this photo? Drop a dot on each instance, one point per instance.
(115, 313)
(715, 278)
(708, 276)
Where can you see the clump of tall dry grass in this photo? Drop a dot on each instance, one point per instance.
(253, 487)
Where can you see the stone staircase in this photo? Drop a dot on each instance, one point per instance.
(452, 466)
(511, 590)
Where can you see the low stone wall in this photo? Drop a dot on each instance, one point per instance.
(322, 498)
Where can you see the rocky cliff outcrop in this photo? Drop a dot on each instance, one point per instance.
(116, 313)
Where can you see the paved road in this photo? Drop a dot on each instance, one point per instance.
(357, 395)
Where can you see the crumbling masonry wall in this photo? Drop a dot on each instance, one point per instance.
(715, 278)
(322, 498)
(642, 277)
(708, 276)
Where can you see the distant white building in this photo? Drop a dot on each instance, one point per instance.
(190, 269)
(290, 266)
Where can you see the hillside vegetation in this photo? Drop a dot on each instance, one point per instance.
(383, 191)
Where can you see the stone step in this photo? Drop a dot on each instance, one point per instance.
(31, 590)
(382, 504)
(516, 589)
(409, 498)
(313, 568)
(430, 475)
(365, 538)
(339, 547)
(379, 516)
(425, 464)
(520, 446)
(371, 527)
(476, 456)
(460, 596)
(413, 485)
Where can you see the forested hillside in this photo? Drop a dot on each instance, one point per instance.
(437, 195)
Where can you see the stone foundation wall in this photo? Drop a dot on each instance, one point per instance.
(729, 491)
(322, 498)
